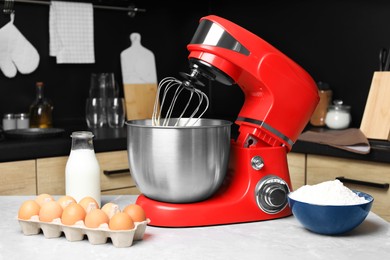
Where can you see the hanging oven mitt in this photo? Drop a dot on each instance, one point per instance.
(16, 52)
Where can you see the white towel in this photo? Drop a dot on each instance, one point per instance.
(71, 32)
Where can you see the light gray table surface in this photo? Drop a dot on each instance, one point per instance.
(272, 239)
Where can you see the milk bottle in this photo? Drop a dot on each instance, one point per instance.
(82, 172)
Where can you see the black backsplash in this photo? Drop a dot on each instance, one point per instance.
(335, 41)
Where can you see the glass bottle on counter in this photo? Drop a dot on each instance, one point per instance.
(41, 109)
(82, 171)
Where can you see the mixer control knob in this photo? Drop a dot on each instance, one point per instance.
(257, 163)
(271, 194)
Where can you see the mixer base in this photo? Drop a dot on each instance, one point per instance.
(235, 202)
(207, 213)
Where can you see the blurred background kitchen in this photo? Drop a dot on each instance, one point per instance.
(337, 42)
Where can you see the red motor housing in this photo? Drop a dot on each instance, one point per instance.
(280, 96)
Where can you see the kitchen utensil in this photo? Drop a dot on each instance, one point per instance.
(116, 111)
(139, 79)
(280, 98)
(178, 163)
(331, 219)
(375, 122)
(179, 89)
(384, 59)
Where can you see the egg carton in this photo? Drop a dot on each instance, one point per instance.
(77, 232)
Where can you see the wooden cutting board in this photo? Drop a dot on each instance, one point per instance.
(375, 123)
(139, 79)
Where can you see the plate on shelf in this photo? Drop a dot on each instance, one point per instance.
(34, 133)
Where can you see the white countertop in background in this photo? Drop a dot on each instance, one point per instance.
(272, 239)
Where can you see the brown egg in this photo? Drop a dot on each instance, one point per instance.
(66, 200)
(44, 197)
(28, 209)
(49, 211)
(136, 212)
(110, 209)
(121, 221)
(95, 218)
(72, 213)
(88, 203)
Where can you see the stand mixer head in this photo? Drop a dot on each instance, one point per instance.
(280, 98)
(279, 95)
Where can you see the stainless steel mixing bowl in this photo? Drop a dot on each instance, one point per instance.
(178, 164)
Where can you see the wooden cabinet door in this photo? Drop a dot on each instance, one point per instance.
(297, 168)
(51, 175)
(374, 178)
(18, 178)
(115, 174)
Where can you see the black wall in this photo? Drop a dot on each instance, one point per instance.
(335, 41)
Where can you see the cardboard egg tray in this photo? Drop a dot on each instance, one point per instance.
(76, 232)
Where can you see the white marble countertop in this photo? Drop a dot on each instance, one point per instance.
(272, 239)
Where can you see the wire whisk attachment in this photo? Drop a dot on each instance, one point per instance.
(171, 91)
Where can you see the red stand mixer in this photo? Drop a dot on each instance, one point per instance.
(280, 98)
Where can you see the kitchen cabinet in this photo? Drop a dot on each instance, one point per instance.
(51, 175)
(17, 178)
(297, 168)
(371, 177)
(114, 174)
(47, 175)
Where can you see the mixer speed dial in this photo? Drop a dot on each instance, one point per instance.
(271, 194)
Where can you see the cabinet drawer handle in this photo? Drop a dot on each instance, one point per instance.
(384, 186)
(112, 172)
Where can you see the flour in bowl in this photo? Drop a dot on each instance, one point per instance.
(327, 193)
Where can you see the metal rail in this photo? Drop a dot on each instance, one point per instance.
(8, 6)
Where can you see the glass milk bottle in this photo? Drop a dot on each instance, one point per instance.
(82, 172)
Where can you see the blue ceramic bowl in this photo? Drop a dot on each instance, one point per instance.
(331, 220)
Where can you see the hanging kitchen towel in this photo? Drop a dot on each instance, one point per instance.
(351, 139)
(16, 52)
(71, 32)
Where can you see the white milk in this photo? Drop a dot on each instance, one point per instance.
(82, 175)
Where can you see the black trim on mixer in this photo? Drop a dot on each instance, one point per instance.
(268, 127)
